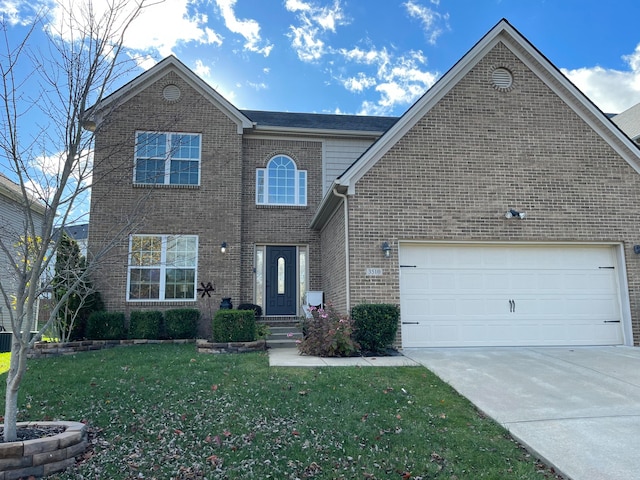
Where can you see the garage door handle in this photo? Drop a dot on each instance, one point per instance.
(512, 306)
(411, 323)
(612, 321)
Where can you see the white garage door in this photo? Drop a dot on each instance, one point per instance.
(505, 295)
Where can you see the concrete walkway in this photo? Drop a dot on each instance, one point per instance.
(577, 408)
(289, 357)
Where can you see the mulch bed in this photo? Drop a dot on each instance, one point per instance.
(33, 433)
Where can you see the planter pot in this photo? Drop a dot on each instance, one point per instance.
(43, 456)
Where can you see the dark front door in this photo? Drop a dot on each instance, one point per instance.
(281, 291)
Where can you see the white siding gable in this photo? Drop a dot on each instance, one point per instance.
(339, 154)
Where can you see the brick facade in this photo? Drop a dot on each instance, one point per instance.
(212, 211)
(480, 151)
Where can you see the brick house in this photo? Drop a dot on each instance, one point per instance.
(500, 209)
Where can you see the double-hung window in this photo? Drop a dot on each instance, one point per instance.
(281, 183)
(167, 158)
(162, 267)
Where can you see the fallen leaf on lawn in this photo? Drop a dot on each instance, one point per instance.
(214, 388)
(226, 433)
(295, 432)
(364, 417)
(177, 431)
(303, 392)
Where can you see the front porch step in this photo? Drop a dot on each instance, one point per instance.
(284, 336)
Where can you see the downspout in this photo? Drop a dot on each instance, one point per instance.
(346, 244)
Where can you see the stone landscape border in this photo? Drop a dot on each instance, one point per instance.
(43, 456)
(50, 350)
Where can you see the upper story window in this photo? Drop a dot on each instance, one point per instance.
(162, 267)
(167, 158)
(281, 183)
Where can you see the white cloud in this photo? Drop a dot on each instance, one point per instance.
(314, 21)
(17, 12)
(429, 18)
(399, 80)
(359, 83)
(201, 69)
(159, 26)
(249, 29)
(613, 91)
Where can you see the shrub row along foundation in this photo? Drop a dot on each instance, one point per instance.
(205, 346)
(42, 456)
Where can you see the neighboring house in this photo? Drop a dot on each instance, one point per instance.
(13, 229)
(80, 233)
(425, 211)
(629, 122)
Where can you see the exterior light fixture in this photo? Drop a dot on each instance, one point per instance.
(515, 214)
(386, 249)
(223, 247)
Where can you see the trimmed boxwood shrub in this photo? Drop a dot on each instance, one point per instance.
(234, 326)
(106, 326)
(181, 322)
(375, 325)
(145, 324)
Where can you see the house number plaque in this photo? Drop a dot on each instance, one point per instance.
(373, 272)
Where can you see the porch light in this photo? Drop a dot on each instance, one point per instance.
(515, 214)
(386, 249)
(223, 247)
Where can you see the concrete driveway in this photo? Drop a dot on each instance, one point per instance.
(577, 408)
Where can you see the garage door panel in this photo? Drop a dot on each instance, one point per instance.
(509, 295)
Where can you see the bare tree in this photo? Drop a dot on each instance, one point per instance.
(81, 62)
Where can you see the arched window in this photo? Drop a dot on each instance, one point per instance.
(281, 183)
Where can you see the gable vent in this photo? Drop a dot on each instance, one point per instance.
(502, 79)
(171, 93)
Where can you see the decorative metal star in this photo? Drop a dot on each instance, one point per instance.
(206, 289)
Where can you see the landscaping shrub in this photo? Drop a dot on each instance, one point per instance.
(145, 324)
(181, 322)
(234, 326)
(375, 325)
(251, 306)
(328, 334)
(106, 326)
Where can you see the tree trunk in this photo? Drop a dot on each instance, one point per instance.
(14, 376)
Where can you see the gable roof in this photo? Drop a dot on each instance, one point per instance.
(629, 122)
(171, 63)
(503, 32)
(12, 191)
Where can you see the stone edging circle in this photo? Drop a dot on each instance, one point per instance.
(43, 456)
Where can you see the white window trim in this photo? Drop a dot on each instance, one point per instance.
(265, 176)
(162, 267)
(167, 160)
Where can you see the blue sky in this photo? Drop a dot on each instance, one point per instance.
(371, 57)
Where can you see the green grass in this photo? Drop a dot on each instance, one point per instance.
(163, 411)
(5, 359)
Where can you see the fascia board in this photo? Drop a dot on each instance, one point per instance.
(157, 71)
(325, 209)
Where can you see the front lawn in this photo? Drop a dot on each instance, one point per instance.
(166, 412)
